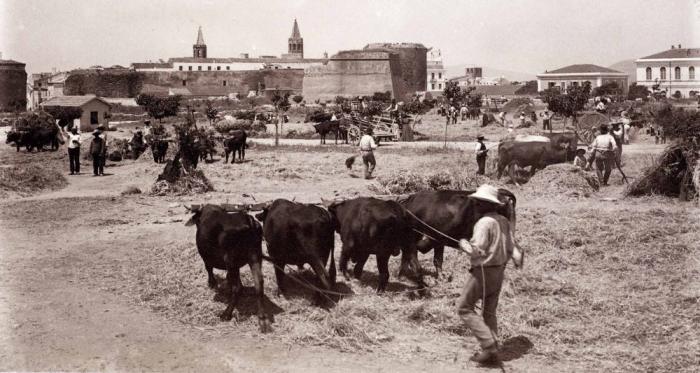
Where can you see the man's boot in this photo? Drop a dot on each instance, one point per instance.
(488, 355)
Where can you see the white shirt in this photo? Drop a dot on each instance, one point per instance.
(334, 117)
(146, 131)
(477, 148)
(367, 143)
(604, 143)
(73, 140)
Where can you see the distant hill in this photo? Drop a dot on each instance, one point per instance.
(626, 66)
(458, 70)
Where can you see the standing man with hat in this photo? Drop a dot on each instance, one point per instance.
(481, 154)
(547, 121)
(604, 151)
(367, 146)
(490, 248)
(97, 148)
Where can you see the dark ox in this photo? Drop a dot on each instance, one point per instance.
(228, 242)
(369, 226)
(560, 148)
(235, 143)
(37, 138)
(450, 212)
(159, 148)
(19, 138)
(332, 126)
(299, 234)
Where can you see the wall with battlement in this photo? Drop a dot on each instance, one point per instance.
(413, 57)
(200, 83)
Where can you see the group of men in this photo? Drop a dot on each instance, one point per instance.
(97, 150)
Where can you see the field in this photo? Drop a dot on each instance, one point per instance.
(96, 280)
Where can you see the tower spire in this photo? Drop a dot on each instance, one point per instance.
(295, 31)
(200, 37)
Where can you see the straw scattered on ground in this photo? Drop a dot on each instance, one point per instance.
(29, 179)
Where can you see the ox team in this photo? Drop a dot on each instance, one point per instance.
(479, 222)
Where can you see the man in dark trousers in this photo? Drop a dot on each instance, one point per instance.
(74, 150)
(491, 246)
(481, 154)
(97, 147)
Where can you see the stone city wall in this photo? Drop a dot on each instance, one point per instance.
(13, 86)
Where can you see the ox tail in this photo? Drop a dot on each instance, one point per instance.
(331, 268)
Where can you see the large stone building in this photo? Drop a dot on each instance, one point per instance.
(397, 68)
(13, 85)
(436, 73)
(575, 75)
(672, 71)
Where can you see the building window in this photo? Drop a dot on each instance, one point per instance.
(93, 117)
(189, 68)
(180, 67)
(432, 86)
(663, 73)
(551, 84)
(209, 68)
(199, 68)
(228, 67)
(218, 68)
(677, 73)
(575, 84)
(563, 85)
(439, 85)
(691, 73)
(184, 82)
(432, 76)
(439, 75)
(224, 83)
(648, 73)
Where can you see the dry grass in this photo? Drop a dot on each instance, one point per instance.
(28, 179)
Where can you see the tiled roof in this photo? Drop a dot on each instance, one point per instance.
(250, 60)
(71, 101)
(582, 68)
(676, 53)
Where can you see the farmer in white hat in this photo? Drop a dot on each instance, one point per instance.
(490, 248)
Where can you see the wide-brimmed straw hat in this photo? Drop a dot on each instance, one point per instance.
(488, 193)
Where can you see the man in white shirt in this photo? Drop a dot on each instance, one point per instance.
(502, 118)
(626, 121)
(603, 152)
(367, 146)
(74, 150)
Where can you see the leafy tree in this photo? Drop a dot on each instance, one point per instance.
(454, 94)
(568, 104)
(64, 114)
(210, 111)
(298, 99)
(158, 107)
(637, 91)
(679, 123)
(530, 88)
(381, 96)
(608, 89)
(281, 102)
(474, 99)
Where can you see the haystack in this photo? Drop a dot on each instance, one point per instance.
(514, 105)
(675, 174)
(563, 179)
(528, 109)
(176, 180)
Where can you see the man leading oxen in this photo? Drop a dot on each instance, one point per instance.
(446, 216)
(537, 152)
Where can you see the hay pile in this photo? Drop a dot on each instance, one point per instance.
(515, 104)
(193, 183)
(673, 174)
(29, 179)
(563, 179)
(407, 182)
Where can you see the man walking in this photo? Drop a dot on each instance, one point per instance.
(490, 249)
(481, 154)
(603, 152)
(547, 121)
(74, 150)
(367, 146)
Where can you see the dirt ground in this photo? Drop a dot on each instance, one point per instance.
(93, 280)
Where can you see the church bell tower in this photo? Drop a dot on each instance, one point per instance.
(199, 49)
(296, 43)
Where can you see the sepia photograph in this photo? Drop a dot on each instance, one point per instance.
(349, 186)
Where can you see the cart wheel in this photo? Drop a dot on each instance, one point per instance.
(354, 135)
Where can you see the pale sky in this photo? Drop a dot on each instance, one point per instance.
(519, 35)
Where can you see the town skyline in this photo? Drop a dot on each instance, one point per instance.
(508, 36)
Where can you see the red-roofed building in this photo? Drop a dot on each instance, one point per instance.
(672, 71)
(580, 74)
